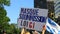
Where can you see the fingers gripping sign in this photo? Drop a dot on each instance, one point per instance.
(44, 29)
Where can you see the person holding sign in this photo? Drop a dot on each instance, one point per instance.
(35, 32)
(27, 32)
(24, 31)
(44, 29)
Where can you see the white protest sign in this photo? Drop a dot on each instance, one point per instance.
(33, 19)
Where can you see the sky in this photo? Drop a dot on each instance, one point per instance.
(13, 10)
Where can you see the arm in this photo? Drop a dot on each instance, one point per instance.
(44, 29)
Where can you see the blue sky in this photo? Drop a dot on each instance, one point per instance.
(14, 9)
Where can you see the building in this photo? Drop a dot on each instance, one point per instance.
(57, 10)
(40, 4)
(45, 4)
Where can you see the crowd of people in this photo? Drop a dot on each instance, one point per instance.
(24, 31)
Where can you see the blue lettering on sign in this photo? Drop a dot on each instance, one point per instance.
(33, 18)
(31, 14)
(29, 11)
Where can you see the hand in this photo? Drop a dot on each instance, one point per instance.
(44, 27)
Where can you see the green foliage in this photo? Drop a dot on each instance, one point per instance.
(4, 25)
(4, 2)
(51, 14)
(2, 12)
(13, 29)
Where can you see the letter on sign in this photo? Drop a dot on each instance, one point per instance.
(31, 25)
